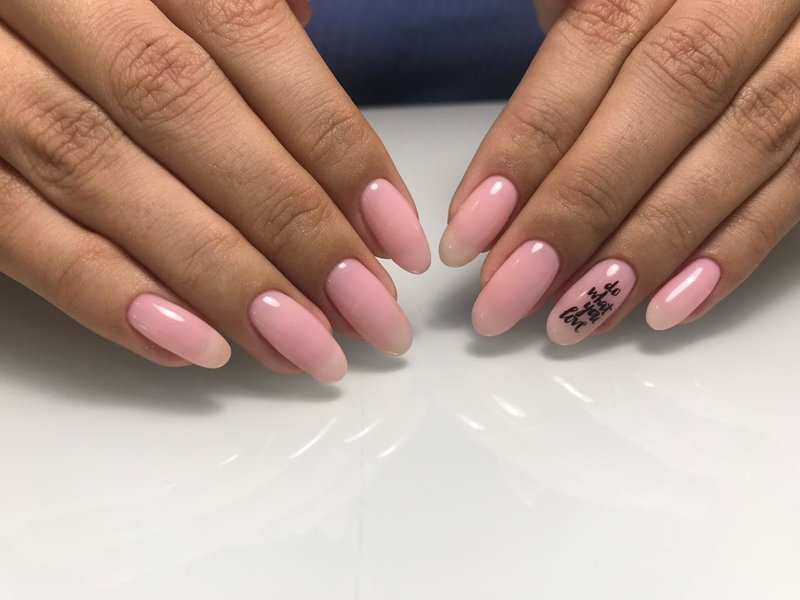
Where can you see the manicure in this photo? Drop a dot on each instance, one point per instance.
(299, 336)
(478, 221)
(590, 302)
(178, 331)
(394, 223)
(515, 289)
(679, 298)
(368, 306)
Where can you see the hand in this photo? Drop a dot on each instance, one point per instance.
(651, 147)
(171, 158)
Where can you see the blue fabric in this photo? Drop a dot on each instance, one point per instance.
(411, 51)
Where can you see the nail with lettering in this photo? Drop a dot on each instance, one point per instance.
(515, 289)
(392, 220)
(683, 294)
(590, 302)
(478, 221)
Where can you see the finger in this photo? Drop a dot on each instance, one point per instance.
(74, 155)
(91, 280)
(568, 79)
(278, 71)
(548, 11)
(701, 190)
(302, 10)
(674, 85)
(731, 254)
(165, 91)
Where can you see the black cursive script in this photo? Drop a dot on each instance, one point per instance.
(598, 306)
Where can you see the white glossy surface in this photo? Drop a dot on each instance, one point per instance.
(637, 466)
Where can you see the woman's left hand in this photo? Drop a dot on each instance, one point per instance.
(653, 146)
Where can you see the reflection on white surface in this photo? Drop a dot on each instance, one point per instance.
(637, 465)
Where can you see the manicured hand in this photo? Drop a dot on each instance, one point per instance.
(175, 168)
(652, 148)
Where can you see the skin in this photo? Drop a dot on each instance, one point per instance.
(656, 132)
(197, 150)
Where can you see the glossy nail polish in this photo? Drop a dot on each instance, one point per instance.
(178, 331)
(590, 302)
(515, 288)
(679, 298)
(369, 307)
(478, 221)
(393, 222)
(299, 336)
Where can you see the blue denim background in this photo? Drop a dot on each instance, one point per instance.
(412, 51)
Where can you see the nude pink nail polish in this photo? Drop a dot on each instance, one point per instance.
(590, 302)
(299, 336)
(478, 221)
(515, 288)
(178, 331)
(393, 222)
(369, 307)
(679, 298)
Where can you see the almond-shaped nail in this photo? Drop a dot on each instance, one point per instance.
(590, 302)
(478, 221)
(299, 336)
(515, 288)
(177, 330)
(679, 298)
(369, 307)
(394, 223)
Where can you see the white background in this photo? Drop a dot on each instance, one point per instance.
(641, 466)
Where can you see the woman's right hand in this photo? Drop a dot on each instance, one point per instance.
(161, 159)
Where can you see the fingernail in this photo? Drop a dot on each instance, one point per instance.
(393, 222)
(299, 336)
(478, 221)
(590, 302)
(369, 307)
(515, 288)
(178, 331)
(679, 298)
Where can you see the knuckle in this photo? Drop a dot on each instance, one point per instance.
(588, 192)
(158, 75)
(610, 22)
(208, 254)
(540, 122)
(696, 57)
(768, 115)
(73, 278)
(67, 140)
(670, 225)
(293, 221)
(759, 227)
(243, 22)
(336, 131)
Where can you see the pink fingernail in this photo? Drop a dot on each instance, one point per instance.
(590, 302)
(299, 336)
(478, 221)
(515, 288)
(369, 307)
(393, 222)
(679, 298)
(178, 331)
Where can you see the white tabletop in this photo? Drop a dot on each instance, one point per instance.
(640, 466)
